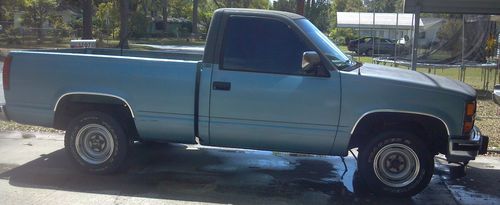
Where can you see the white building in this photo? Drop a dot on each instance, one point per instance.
(389, 25)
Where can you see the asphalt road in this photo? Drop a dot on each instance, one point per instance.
(35, 169)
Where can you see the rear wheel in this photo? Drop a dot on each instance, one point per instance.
(97, 142)
(396, 163)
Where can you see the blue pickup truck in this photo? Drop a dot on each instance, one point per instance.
(266, 80)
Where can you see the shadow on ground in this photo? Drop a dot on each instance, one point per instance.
(190, 173)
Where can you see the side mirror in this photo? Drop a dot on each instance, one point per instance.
(350, 57)
(309, 60)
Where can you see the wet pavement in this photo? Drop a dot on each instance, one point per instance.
(37, 170)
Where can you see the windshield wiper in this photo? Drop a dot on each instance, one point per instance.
(352, 67)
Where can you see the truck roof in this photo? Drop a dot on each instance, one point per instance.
(260, 11)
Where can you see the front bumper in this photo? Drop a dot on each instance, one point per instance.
(466, 150)
(3, 114)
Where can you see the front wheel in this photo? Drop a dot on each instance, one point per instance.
(396, 163)
(97, 142)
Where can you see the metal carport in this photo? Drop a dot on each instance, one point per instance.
(484, 7)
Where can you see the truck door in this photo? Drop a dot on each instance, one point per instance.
(261, 98)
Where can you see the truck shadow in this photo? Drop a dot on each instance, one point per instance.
(204, 174)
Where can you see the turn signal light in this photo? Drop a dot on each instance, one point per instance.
(470, 114)
(470, 109)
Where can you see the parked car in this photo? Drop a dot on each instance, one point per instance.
(374, 45)
(267, 80)
(496, 94)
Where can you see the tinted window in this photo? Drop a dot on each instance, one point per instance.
(262, 45)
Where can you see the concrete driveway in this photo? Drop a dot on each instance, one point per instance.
(35, 169)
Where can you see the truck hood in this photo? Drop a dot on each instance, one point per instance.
(417, 79)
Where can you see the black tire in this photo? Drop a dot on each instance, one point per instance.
(93, 131)
(392, 153)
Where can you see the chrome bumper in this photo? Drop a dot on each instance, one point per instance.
(3, 114)
(466, 150)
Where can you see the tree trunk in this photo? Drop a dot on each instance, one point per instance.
(39, 32)
(195, 19)
(308, 8)
(124, 9)
(87, 19)
(165, 16)
(300, 7)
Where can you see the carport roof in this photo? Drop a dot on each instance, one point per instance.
(382, 20)
(453, 6)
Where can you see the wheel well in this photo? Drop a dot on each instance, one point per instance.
(71, 106)
(431, 129)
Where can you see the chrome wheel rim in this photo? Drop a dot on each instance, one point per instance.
(94, 143)
(396, 165)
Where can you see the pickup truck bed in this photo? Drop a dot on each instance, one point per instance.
(148, 85)
(181, 53)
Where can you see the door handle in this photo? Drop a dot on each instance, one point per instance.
(217, 85)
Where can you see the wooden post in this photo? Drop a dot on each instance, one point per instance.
(414, 46)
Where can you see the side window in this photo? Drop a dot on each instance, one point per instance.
(261, 45)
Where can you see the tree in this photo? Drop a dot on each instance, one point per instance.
(107, 19)
(284, 5)
(37, 12)
(124, 10)
(7, 8)
(195, 18)
(87, 18)
(205, 12)
(164, 10)
(342, 35)
(318, 12)
(207, 7)
(180, 8)
(300, 7)
(256, 4)
(387, 6)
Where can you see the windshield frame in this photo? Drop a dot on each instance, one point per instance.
(324, 45)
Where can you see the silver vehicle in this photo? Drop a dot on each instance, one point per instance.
(496, 94)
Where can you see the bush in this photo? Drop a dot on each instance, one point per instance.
(138, 25)
(61, 29)
(342, 36)
(13, 36)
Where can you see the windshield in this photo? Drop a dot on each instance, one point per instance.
(339, 59)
